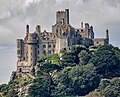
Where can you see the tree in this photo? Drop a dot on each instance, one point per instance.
(106, 61)
(77, 80)
(84, 57)
(69, 59)
(110, 87)
(39, 88)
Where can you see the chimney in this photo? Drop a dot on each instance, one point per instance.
(81, 24)
(38, 29)
(27, 29)
(67, 15)
(107, 33)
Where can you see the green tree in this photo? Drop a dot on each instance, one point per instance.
(106, 61)
(84, 57)
(110, 88)
(77, 80)
(39, 88)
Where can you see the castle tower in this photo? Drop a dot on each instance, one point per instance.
(62, 17)
(86, 30)
(32, 49)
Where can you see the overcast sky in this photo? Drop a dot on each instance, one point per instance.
(15, 14)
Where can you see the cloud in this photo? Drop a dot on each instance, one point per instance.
(16, 14)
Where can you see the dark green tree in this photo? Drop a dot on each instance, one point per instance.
(84, 57)
(40, 88)
(77, 80)
(106, 61)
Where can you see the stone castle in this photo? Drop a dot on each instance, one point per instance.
(38, 44)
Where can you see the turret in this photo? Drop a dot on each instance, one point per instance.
(92, 32)
(86, 30)
(32, 49)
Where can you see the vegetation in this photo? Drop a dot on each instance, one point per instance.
(78, 71)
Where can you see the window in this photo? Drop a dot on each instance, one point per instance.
(44, 46)
(18, 51)
(53, 45)
(44, 52)
(49, 45)
(97, 42)
(38, 46)
(49, 51)
(38, 52)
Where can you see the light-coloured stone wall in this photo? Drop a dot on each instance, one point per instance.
(99, 41)
(61, 44)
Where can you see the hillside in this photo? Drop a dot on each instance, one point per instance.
(76, 71)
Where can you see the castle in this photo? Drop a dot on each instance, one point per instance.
(38, 44)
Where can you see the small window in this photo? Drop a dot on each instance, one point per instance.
(38, 46)
(44, 46)
(38, 52)
(49, 51)
(53, 45)
(20, 70)
(44, 52)
(49, 45)
(97, 42)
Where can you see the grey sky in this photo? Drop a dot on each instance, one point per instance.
(15, 14)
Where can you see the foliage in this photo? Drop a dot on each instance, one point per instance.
(53, 58)
(78, 80)
(80, 71)
(84, 57)
(40, 88)
(106, 61)
(110, 88)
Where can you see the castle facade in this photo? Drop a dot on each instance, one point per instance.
(38, 44)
